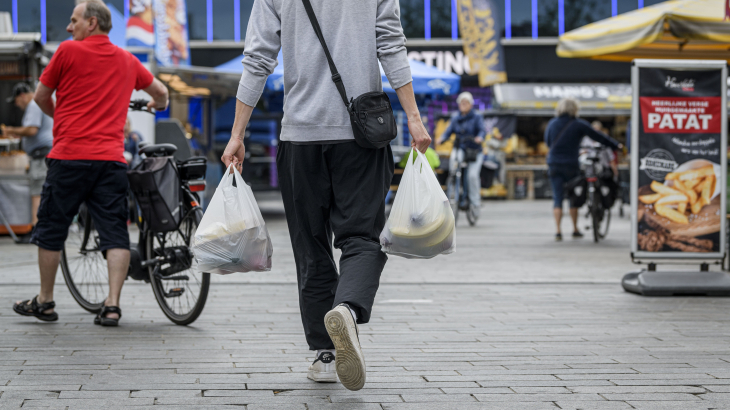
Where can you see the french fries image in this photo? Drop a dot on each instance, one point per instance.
(672, 199)
(682, 207)
(690, 191)
(650, 199)
(671, 214)
(663, 189)
(691, 195)
(691, 183)
(696, 173)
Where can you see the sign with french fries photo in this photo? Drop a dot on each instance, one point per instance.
(678, 156)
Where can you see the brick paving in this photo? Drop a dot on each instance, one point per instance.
(512, 321)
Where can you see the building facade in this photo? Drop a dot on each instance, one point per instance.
(226, 20)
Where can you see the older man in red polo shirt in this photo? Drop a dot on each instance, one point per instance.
(93, 80)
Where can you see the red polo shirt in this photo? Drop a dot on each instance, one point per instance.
(93, 80)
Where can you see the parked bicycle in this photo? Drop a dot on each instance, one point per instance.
(601, 191)
(160, 257)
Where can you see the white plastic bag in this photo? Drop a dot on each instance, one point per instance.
(232, 236)
(421, 222)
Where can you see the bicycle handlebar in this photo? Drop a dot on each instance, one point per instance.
(140, 105)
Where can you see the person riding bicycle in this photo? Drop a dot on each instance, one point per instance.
(563, 135)
(469, 129)
(93, 81)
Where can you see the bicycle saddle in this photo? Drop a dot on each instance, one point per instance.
(158, 150)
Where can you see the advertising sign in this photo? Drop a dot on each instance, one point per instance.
(679, 159)
(481, 34)
(140, 26)
(171, 32)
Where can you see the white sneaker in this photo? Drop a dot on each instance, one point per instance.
(323, 369)
(349, 360)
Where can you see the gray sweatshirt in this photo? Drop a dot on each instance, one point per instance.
(358, 34)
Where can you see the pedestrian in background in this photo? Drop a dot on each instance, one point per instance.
(330, 185)
(563, 137)
(132, 139)
(93, 81)
(37, 133)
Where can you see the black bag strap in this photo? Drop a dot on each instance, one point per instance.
(565, 128)
(333, 69)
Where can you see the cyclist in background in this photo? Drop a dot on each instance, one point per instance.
(469, 129)
(93, 80)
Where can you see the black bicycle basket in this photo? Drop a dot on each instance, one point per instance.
(155, 184)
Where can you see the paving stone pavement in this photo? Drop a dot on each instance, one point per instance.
(511, 321)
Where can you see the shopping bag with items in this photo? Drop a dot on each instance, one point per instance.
(232, 236)
(421, 222)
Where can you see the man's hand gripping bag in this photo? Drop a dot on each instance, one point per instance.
(232, 236)
(421, 222)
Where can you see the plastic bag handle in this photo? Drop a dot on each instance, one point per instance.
(420, 160)
(228, 177)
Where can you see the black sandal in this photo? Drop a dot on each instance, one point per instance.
(101, 318)
(33, 308)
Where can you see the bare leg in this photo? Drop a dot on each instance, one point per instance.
(48, 265)
(574, 217)
(35, 203)
(558, 214)
(117, 261)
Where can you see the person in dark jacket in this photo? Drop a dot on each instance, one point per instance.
(563, 136)
(469, 129)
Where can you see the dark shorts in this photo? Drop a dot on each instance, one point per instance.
(559, 175)
(102, 185)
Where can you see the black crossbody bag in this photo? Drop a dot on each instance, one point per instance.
(371, 114)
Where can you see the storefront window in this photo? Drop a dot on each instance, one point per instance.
(29, 16)
(223, 20)
(117, 4)
(197, 24)
(547, 18)
(578, 13)
(624, 6)
(58, 15)
(7, 6)
(440, 18)
(246, 6)
(521, 18)
(411, 17)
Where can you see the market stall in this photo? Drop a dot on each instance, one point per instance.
(21, 59)
(533, 105)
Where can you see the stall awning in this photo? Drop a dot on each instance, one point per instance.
(678, 29)
(541, 99)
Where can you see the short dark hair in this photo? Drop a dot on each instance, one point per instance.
(96, 8)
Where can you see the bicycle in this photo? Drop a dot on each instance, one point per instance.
(597, 191)
(162, 259)
(457, 189)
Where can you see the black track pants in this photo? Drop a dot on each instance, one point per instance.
(334, 190)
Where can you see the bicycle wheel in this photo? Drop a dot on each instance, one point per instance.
(471, 214)
(180, 290)
(83, 265)
(453, 196)
(596, 214)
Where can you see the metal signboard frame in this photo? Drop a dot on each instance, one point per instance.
(696, 65)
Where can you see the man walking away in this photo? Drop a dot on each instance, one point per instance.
(37, 133)
(331, 186)
(93, 80)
